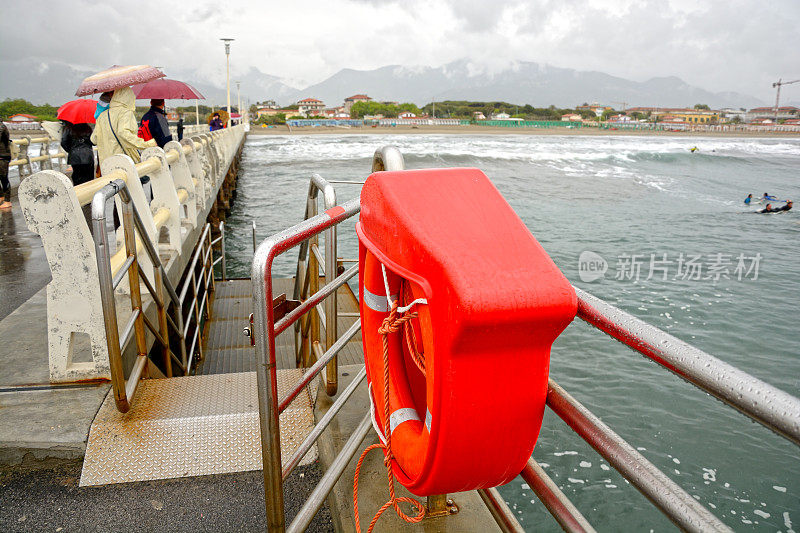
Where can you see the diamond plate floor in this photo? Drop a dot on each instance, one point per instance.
(191, 426)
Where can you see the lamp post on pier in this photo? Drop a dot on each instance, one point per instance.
(227, 42)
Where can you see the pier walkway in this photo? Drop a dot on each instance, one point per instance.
(52, 345)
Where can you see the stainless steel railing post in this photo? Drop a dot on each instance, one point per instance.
(266, 378)
(264, 332)
(222, 250)
(107, 291)
(254, 236)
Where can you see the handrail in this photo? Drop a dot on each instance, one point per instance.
(764, 403)
(307, 278)
(86, 191)
(388, 158)
(125, 390)
(264, 332)
(564, 511)
(760, 401)
(677, 504)
(25, 161)
(500, 512)
(110, 275)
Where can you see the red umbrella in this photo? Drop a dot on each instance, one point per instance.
(78, 111)
(166, 90)
(117, 77)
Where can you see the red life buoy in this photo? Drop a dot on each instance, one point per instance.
(468, 377)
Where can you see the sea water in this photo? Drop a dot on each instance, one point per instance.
(650, 227)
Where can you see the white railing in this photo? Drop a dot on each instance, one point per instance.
(185, 178)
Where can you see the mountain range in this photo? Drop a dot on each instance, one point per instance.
(522, 83)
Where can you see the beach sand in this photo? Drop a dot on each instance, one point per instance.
(487, 130)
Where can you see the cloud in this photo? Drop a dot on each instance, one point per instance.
(738, 45)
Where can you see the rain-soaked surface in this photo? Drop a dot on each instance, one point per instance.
(23, 265)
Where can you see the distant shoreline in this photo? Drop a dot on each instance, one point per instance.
(488, 130)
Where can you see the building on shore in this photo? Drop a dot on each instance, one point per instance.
(310, 106)
(21, 118)
(595, 108)
(784, 113)
(271, 112)
(688, 115)
(571, 117)
(350, 100)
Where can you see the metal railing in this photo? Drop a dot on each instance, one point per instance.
(756, 399)
(266, 329)
(109, 280)
(307, 330)
(199, 276)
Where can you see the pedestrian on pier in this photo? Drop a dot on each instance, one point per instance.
(216, 123)
(116, 131)
(5, 158)
(76, 141)
(154, 123)
(180, 128)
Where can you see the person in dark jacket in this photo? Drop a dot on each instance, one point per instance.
(155, 120)
(180, 127)
(75, 140)
(5, 158)
(216, 123)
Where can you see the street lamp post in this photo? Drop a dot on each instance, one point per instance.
(227, 42)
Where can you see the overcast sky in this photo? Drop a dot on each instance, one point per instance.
(737, 45)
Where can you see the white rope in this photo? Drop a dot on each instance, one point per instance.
(418, 301)
(405, 308)
(372, 416)
(386, 285)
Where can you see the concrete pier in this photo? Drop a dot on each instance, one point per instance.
(42, 419)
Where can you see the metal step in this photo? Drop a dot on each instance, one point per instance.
(226, 349)
(191, 426)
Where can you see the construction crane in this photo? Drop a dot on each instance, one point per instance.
(778, 94)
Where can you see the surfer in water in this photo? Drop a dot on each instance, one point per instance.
(748, 199)
(769, 209)
(693, 149)
(767, 197)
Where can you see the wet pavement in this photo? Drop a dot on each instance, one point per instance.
(51, 500)
(23, 265)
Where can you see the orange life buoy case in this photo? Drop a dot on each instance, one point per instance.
(495, 304)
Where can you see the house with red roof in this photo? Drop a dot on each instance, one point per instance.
(350, 100)
(310, 106)
(22, 117)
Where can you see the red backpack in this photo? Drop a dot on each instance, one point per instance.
(144, 130)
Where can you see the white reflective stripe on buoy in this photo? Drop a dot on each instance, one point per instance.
(428, 420)
(376, 302)
(402, 415)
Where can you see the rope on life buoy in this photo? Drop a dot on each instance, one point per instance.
(399, 317)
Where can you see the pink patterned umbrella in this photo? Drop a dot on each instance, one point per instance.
(117, 77)
(167, 90)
